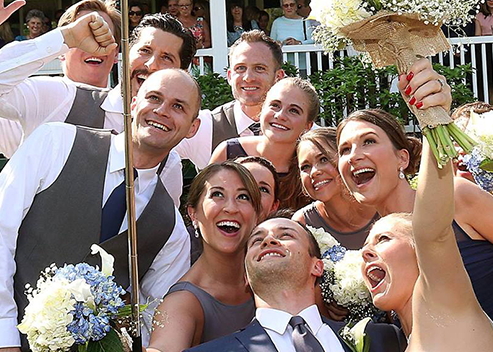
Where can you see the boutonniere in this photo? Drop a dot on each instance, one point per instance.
(355, 337)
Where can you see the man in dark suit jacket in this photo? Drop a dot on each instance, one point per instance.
(283, 265)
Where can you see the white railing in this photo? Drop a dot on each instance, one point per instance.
(478, 51)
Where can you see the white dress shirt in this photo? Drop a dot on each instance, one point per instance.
(30, 102)
(33, 168)
(198, 149)
(276, 324)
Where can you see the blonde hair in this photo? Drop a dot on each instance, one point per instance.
(401, 222)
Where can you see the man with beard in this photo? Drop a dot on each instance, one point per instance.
(158, 42)
(283, 266)
(64, 190)
(255, 65)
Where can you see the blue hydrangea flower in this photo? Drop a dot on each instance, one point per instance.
(90, 325)
(483, 178)
(335, 253)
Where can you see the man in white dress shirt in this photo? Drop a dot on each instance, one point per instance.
(53, 189)
(283, 266)
(25, 103)
(255, 65)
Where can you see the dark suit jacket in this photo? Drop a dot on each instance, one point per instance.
(384, 338)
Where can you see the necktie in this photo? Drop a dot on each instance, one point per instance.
(303, 339)
(255, 128)
(113, 212)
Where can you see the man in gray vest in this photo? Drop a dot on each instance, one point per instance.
(283, 264)
(158, 42)
(62, 191)
(255, 65)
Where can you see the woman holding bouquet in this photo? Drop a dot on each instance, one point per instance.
(289, 110)
(213, 299)
(375, 155)
(333, 209)
(413, 267)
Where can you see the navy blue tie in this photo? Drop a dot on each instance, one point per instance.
(113, 212)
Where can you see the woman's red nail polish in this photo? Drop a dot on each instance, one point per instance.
(412, 101)
(408, 90)
(419, 105)
(410, 76)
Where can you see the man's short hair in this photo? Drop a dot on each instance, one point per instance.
(257, 36)
(169, 24)
(107, 7)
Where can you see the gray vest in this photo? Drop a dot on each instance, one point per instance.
(223, 124)
(65, 219)
(86, 109)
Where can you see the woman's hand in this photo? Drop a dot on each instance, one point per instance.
(425, 87)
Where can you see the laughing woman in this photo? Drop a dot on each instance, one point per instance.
(413, 267)
(289, 110)
(333, 209)
(375, 155)
(213, 299)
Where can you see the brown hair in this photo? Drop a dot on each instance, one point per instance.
(107, 7)
(392, 129)
(258, 36)
(265, 163)
(325, 139)
(198, 185)
(310, 93)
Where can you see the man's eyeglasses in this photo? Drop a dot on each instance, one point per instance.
(290, 5)
(135, 13)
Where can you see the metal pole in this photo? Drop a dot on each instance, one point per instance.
(129, 178)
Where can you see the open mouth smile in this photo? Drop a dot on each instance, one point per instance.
(229, 227)
(363, 176)
(93, 60)
(375, 276)
(280, 127)
(158, 126)
(320, 184)
(270, 254)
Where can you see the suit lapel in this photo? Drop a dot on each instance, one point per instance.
(255, 339)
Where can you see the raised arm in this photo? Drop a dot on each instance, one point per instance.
(443, 278)
(7, 11)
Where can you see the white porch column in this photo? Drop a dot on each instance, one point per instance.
(218, 36)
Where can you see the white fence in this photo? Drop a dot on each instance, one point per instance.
(478, 51)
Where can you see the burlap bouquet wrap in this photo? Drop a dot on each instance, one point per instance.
(400, 40)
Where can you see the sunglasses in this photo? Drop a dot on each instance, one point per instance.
(290, 5)
(135, 13)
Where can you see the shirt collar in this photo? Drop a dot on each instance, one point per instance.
(278, 320)
(242, 120)
(114, 101)
(117, 164)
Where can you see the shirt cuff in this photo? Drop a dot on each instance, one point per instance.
(10, 335)
(51, 45)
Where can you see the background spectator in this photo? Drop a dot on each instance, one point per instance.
(173, 8)
(304, 8)
(263, 22)
(197, 25)
(135, 14)
(252, 12)
(236, 21)
(484, 19)
(34, 22)
(6, 35)
(47, 24)
(201, 9)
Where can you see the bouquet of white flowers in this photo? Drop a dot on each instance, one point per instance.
(75, 305)
(480, 161)
(398, 32)
(342, 280)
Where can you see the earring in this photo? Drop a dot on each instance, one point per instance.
(196, 228)
(401, 173)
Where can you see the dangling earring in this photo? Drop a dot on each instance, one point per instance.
(401, 173)
(196, 228)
